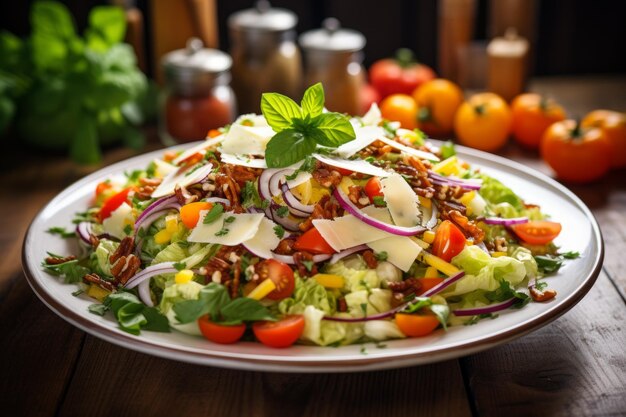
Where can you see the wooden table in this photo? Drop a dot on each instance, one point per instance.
(574, 366)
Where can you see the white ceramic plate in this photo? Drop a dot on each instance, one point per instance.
(580, 233)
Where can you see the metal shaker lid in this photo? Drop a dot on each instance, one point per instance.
(195, 68)
(263, 17)
(333, 38)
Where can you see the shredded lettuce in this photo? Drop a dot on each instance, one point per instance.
(495, 192)
(482, 272)
(355, 279)
(324, 332)
(306, 293)
(180, 292)
(103, 251)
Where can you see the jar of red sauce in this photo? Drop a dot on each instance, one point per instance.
(197, 95)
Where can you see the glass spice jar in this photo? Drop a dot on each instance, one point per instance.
(334, 57)
(197, 95)
(265, 55)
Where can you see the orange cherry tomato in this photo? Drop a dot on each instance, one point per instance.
(282, 276)
(483, 122)
(112, 203)
(219, 333)
(400, 108)
(438, 100)
(416, 325)
(279, 334)
(532, 115)
(449, 241)
(102, 188)
(190, 213)
(613, 124)
(373, 188)
(428, 283)
(312, 241)
(576, 154)
(539, 232)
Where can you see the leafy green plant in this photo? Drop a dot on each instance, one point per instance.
(66, 92)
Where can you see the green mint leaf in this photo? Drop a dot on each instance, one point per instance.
(250, 196)
(571, 255)
(308, 165)
(213, 214)
(279, 231)
(288, 147)
(313, 100)
(308, 265)
(244, 309)
(60, 231)
(279, 110)
(97, 309)
(442, 312)
(282, 211)
(336, 128)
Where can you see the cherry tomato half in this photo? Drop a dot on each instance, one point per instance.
(112, 203)
(279, 334)
(428, 283)
(449, 241)
(282, 276)
(537, 232)
(416, 325)
(219, 333)
(373, 188)
(312, 241)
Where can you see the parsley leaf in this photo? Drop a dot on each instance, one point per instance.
(279, 230)
(308, 265)
(379, 201)
(447, 150)
(282, 211)
(308, 165)
(505, 292)
(250, 196)
(71, 271)
(180, 266)
(132, 315)
(213, 214)
(549, 264)
(60, 231)
(381, 256)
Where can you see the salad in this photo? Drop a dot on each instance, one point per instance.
(306, 226)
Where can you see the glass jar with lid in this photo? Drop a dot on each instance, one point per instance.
(334, 56)
(197, 95)
(265, 55)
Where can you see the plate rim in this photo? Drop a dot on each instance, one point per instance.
(295, 364)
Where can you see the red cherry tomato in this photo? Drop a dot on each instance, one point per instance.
(537, 232)
(428, 283)
(112, 203)
(373, 188)
(369, 96)
(449, 241)
(343, 171)
(282, 276)
(279, 334)
(219, 333)
(399, 76)
(312, 241)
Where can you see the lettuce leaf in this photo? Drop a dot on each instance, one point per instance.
(495, 192)
(307, 293)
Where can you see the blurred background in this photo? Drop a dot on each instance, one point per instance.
(79, 76)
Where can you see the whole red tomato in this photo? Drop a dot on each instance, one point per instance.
(576, 154)
(369, 96)
(401, 75)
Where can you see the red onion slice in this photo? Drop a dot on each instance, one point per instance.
(463, 185)
(347, 252)
(264, 183)
(83, 231)
(492, 308)
(347, 205)
(146, 221)
(445, 284)
(499, 221)
(287, 222)
(470, 184)
(276, 180)
(293, 203)
(144, 293)
(156, 205)
(149, 272)
(288, 259)
(432, 222)
(220, 200)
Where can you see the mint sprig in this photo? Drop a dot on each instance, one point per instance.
(300, 129)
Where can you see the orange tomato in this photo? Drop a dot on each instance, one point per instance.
(614, 126)
(532, 115)
(428, 283)
(483, 122)
(416, 325)
(400, 108)
(576, 154)
(438, 100)
(190, 213)
(538, 232)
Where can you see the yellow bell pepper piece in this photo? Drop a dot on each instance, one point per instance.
(431, 272)
(441, 265)
(162, 237)
(425, 202)
(498, 254)
(329, 280)
(171, 224)
(98, 293)
(448, 166)
(428, 236)
(262, 290)
(184, 276)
